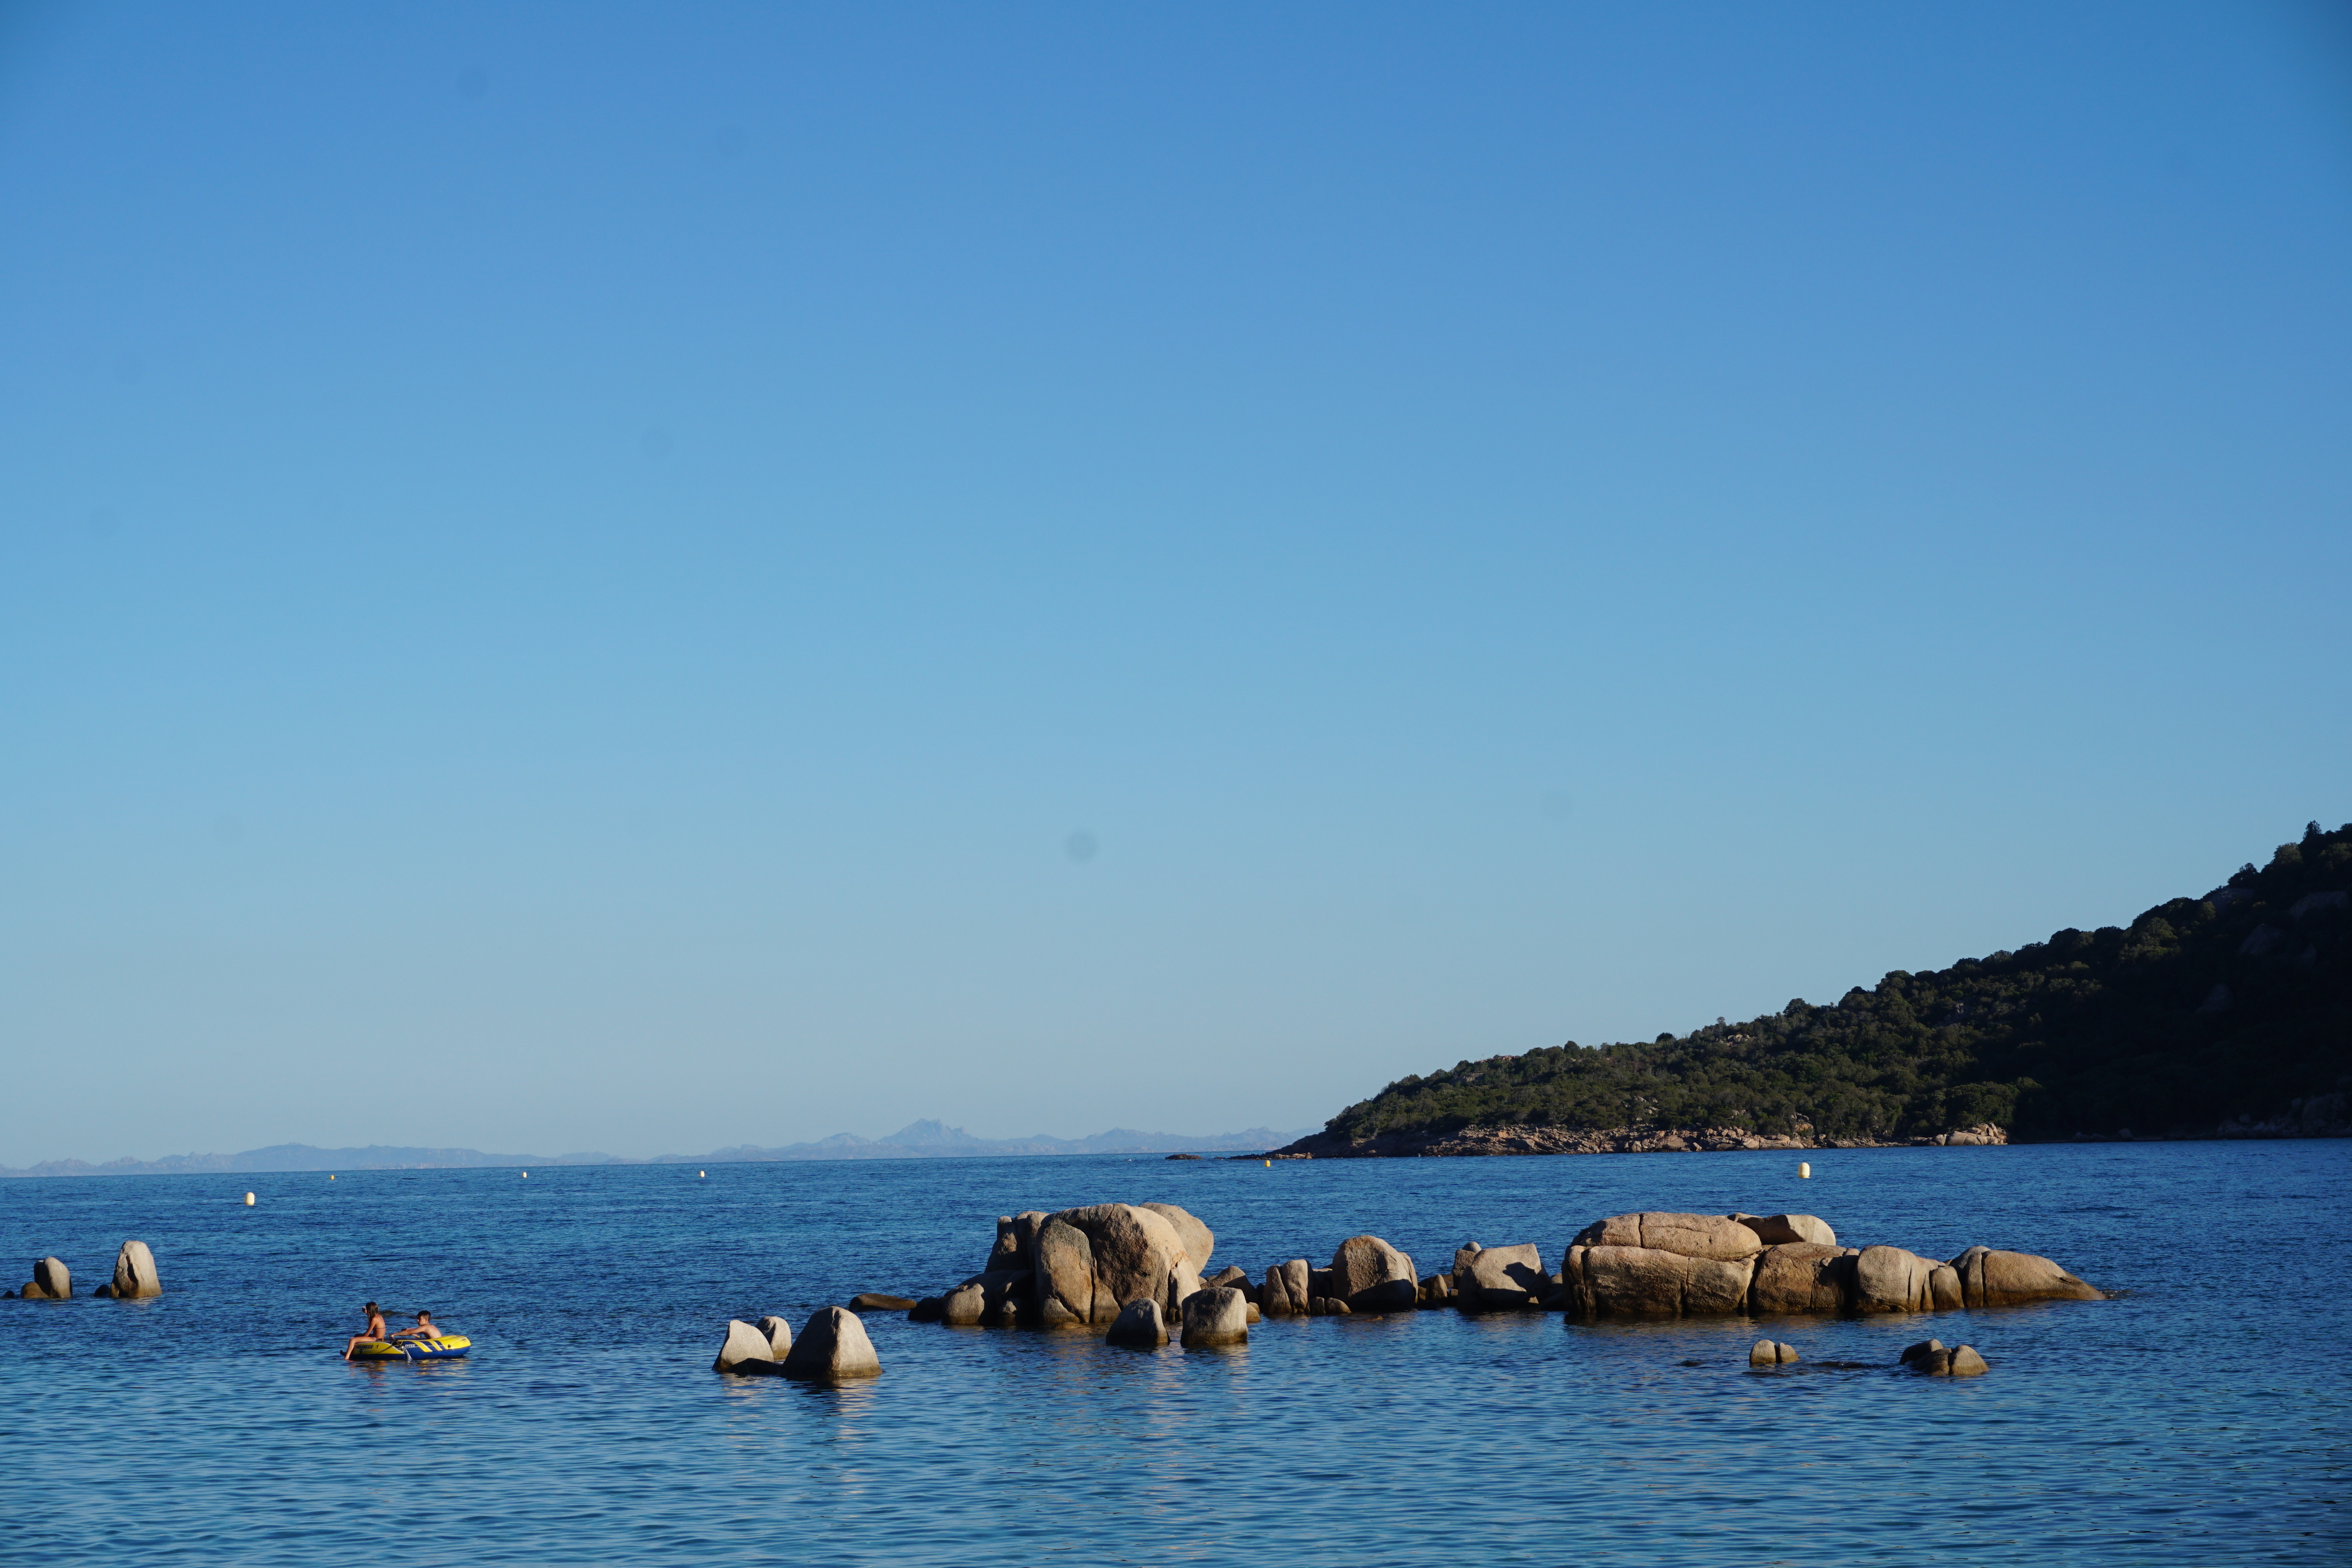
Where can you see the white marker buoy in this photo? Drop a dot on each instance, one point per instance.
(526, 1176)
(1804, 1171)
(702, 1176)
(249, 1200)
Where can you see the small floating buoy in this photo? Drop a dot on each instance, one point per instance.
(249, 1200)
(526, 1176)
(1804, 1171)
(331, 1178)
(1269, 1164)
(702, 1176)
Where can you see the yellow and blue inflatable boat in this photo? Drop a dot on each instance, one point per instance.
(413, 1349)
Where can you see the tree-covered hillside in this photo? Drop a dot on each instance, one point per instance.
(2201, 1010)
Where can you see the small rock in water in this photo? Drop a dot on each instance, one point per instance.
(833, 1347)
(1924, 1348)
(779, 1334)
(1933, 1360)
(1216, 1315)
(1770, 1353)
(876, 1301)
(134, 1273)
(747, 1350)
(51, 1282)
(929, 1310)
(962, 1307)
(1140, 1326)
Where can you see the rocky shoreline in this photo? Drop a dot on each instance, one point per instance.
(1421, 1143)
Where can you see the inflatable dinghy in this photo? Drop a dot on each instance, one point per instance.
(413, 1349)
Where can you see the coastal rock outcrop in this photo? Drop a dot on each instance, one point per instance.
(832, 1348)
(1718, 1236)
(1216, 1315)
(1284, 1293)
(1371, 1276)
(134, 1274)
(1890, 1280)
(1678, 1265)
(51, 1282)
(1802, 1277)
(747, 1350)
(1078, 1267)
(1990, 1279)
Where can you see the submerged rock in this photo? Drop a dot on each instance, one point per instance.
(877, 1302)
(1932, 1359)
(1770, 1353)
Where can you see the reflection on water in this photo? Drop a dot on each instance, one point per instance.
(2192, 1420)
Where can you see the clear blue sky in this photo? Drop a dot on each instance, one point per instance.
(585, 577)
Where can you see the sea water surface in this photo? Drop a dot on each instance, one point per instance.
(2203, 1416)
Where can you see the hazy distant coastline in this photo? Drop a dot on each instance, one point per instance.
(917, 1140)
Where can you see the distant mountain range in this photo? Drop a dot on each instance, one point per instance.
(915, 1141)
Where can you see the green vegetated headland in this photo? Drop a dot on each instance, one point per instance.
(2233, 1007)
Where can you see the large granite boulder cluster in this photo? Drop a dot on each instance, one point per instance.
(1365, 1275)
(1080, 1268)
(1695, 1265)
(1134, 1272)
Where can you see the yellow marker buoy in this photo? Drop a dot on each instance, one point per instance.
(331, 1178)
(1804, 1171)
(249, 1200)
(1269, 1164)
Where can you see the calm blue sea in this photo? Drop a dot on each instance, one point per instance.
(2205, 1416)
